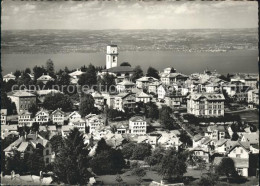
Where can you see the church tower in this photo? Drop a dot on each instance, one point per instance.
(111, 56)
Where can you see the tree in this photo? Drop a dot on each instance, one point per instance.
(108, 82)
(8, 86)
(17, 73)
(54, 101)
(27, 71)
(226, 167)
(138, 73)
(34, 161)
(71, 164)
(113, 129)
(112, 113)
(108, 162)
(102, 146)
(172, 164)
(35, 127)
(128, 149)
(56, 143)
(141, 151)
(6, 103)
(86, 105)
(139, 172)
(14, 162)
(64, 79)
(156, 156)
(33, 109)
(38, 72)
(235, 136)
(152, 72)
(201, 164)
(50, 67)
(209, 180)
(89, 78)
(151, 110)
(165, 117)
(125, 64)
(185, 139)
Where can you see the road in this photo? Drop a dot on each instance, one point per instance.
(180, 124)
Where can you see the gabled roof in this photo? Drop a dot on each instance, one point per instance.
(78, 72)
(143, 95)
(126, 82)
(119, 69)
(45, 77)
(45, 92)
(137, 118)
(57, 111)
(44, 111)
(9, 75)
(244, 145)
(23, 94)
(124, 95)
(208, 96)
(9, 127)
(73, 113)
(197, 137)
(147, 79)
(97, 95)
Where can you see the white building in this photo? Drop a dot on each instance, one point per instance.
(253, 97)
(137, 125)
(45, 78)
(99, 99)
(94, 122)
(74, 115)
(143, 97)
(3, 116)
(144, 82)
(8, 77)
(25, 118)
(202, 104)
(58, 116)
(125, 86)
(78, 123)
(42, 116)
(111, 56)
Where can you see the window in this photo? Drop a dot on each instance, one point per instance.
(47, 160)
(47, 152)
(238, 156)
(241, 151)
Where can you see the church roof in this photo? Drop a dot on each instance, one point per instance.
(119, 69)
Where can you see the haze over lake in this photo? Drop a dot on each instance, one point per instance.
(186, 62)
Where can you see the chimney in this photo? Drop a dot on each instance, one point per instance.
(12, 73)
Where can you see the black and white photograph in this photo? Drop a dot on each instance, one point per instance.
(140, 92)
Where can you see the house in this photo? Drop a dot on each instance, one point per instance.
(23, 100)
(125, 86)
(42, 116)
(221, 146)
(143, 97)
(204, 104)
(216, 132)
(45, 78)
(253, 98)
(152, 140)
(169, 76)
(201, 152)
(8, 77)
(137, 125)
(175, 99)
(99, 99)
(58, 117)
(168, 140)
(196, 140)
(163, 90)
(94, 122)
(152, 87)
(7, 130)
(145, 81)
(30, 142)
(25, 118)
(74, 76)
(79, 123)
(3, 116)
(241, 165)
(121, 129)
(239, 150)
(125, 100)
(74, 115)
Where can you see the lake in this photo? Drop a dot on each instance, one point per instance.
(185, 62)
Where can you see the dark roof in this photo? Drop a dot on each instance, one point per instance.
(119, 69)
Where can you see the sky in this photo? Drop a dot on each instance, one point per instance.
(98, 15)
